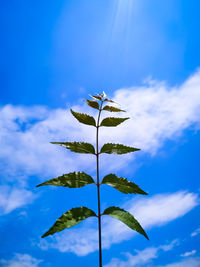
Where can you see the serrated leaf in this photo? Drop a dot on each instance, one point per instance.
(69, 219)
(110, 148)
(113, 109)
(96, 97)
(78, 147)
(109, 100)
(126, 218)
(122, 184)
(84, 118)
(71, 180)
(93, 104)
(112, 121)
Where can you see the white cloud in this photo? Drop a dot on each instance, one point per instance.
(157, 113)
(196, 232)
(21, 260)
(190, 262)
(155, 211)
(13, 198)
(144, 257)
(80, 241)
(141, 257)
(164, 207)
(25, 137)
(189, 253)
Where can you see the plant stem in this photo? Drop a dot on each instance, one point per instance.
(98, 185)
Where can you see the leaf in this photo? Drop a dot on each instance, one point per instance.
(84, 118)
(78, 147)
(109, 100)
(117, 149)
(93, 104)
(96, 97)
(113, 109)
(112, 121)
(69, 219)
(126, 218)
(71, 180)
(122, 184)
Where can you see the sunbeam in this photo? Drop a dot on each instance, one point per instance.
(122, 20)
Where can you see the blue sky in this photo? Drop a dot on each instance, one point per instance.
(143, 54)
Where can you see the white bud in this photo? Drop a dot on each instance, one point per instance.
(104, 94)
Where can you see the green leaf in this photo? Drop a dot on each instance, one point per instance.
(117, 149)
(84, 118)
(112, 121)
(122, 184)
(78, 147)
(113, 109)
(93, 104)
(69, 219)
(109, 100)
(96, 97)
(126, 218)
(71, 180)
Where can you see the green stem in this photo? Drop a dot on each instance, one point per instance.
(98, 186)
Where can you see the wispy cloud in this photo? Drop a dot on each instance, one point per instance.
(141, 258)
(157, 113)
(13, 198)
(190, 262)
(196, 232)
(155, 211)
(20, 260)
(188, 253)
(146, 256)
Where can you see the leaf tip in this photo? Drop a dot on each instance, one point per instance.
(146, 236)
(44, 235)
